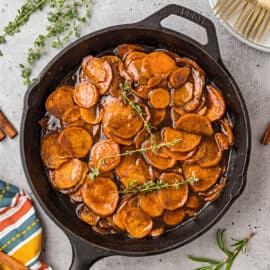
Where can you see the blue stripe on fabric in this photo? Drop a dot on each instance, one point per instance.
(29, 265)
(14, 232)
(7, 193)
(12, 188)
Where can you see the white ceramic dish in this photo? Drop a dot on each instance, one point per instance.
(264, 45)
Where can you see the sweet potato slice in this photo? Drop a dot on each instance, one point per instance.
(174, 217)
(77, 195)
(72, 114)
(157, 116)
(122, 50)
(194, 103)
(195, 123)
(134, 69)
(202, 111)
(132, 56)
(98, 71)
(141, 91)
(92, 115)
(112, 59)
(188, 62)
(222, 141)
(193, 202)
(86, 94)
(59, 101)
(69, 175)
(159, 98)
(138, 223)
(52, 154)
(216, 104)
(181, 156)
(114, 88)
(141, 136)
(179, 77)
(158, 162)
(108, 132)
(172, 197)
(226, 128)
(86, 215)
(183, 94)
(155, 80)
(119, 216)
(149, 202)
(100, 195)
(207, 176)
(157, 231)
(76, 141)
(124, 121)
(212, 153)
(188, 140)
(126, 162)
(103, 149)
(157, 62)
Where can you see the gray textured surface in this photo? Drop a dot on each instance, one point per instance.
(251, 70)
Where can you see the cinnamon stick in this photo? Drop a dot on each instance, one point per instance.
(266, 136)
(6, 126)
(11, 262)
(2, 135)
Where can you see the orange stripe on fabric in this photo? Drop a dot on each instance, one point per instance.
(10, 207)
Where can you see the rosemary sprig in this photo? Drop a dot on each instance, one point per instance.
(134, 188)
(239, 246)
(95, 171)
(126, 93)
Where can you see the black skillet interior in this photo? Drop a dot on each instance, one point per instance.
(147, 32)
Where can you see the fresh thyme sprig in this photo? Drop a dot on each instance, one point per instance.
(239, 246)
(126, 93)
(95, 170)
(149, 186)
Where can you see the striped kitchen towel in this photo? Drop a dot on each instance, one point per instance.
(20, 229)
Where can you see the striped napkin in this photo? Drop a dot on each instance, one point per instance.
(20, 228)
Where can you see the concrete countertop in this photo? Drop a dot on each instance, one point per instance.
(250, 68)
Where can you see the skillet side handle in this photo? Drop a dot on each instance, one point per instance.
(83, 254)
(154, 21)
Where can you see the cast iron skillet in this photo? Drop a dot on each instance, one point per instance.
(87, 245)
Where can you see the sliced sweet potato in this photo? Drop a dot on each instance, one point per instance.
(77, 195)
(76, 141)
(207, 176)
(188, 141)
(138, 223)
(119, 216)
(52, 154)
(103, 149)
(159, 98)
(157, 116)
(100, 195)
(155, 80)
(158, 162)
(172, 197)
(59, 101)
(141, 136)
(122, 50)
(157, 231)
(124, 121)
(126, 162)
(134, 69)
(183, 61)
(183, 94)
(180, 155)
(193, 202)
(194, 103)
(86, 215)
(86, 94)
(114, 88)
(195, 123)
(226, 128)
(141, 91)
(157, 62)
(98, 71)
(72, 114)
(222, 141)
(202, 103)
(93, 130)
(78, 123)
(92, 115)
(108, 132)
(149, 202)
(212, 153)
(216, 104)
(69, 175)
(132, 56)
(202, 111)
(174, 217)
(179, 76)
(112, 59)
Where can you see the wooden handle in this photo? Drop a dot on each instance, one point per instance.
(6, 126)
(11, 263)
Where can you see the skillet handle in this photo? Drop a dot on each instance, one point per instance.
(84, 255)
(154, 21)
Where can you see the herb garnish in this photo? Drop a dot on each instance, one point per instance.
(126, 93)
(239, 246)
(95, 171)
(134, 188)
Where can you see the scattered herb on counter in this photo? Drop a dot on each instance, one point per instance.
(134, 188)
(266, 136)
(64, 20)
(238, 245)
